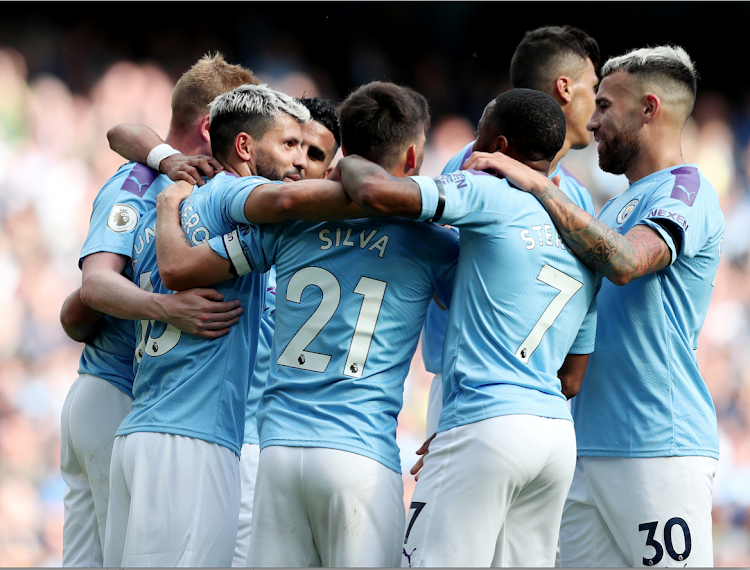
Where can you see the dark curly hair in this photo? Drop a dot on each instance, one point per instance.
(531, 120)
(326, 114)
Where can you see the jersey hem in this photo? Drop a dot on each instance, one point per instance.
(640, 454)
(456, 422)
(183, 432)
(332, 445)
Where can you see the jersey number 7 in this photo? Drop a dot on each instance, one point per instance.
(567, 287)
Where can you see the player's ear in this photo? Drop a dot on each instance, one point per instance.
(501, 144)
(411, 158)
(244, 146)
(562, 89)
(651, 107)
(204, 128)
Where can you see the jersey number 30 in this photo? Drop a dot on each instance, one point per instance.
(295, 355)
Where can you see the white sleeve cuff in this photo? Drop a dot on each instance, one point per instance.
(430, 196)
(235, 253)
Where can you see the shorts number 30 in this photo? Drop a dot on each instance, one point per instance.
(674, 555)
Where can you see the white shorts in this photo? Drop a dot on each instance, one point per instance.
(91, 414)
(325, 507)
(174, 501)
(248, 474)
(632, 512)
(434, 405)
(491, 493)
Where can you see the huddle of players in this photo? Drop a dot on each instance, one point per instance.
(354, 294)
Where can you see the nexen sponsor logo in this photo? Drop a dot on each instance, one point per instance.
(676, 218)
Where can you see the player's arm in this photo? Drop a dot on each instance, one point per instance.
(571, 373)
(135, 142)
(379, 192)
(198, 311)
(182, 266)
(620, 258)
(78, 320)
(307, 200)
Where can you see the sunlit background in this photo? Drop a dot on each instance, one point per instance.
(69, 72)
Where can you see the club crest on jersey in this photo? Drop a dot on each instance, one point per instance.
(626, 211)
(122, 218)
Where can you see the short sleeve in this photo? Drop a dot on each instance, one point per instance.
(586, 337)
(119, 206)
(470, 199)
(679, 200)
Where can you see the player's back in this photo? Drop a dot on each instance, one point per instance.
(436, 321)
(118, 206)
(185, 384)
(519, 301)
(351, 300)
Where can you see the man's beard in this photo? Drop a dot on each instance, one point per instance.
(619, 153)
(267, 169)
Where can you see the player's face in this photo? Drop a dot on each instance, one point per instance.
(280, 155)
(317, 144)
(582, 105)
(615, 123)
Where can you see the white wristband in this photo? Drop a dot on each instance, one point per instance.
(159, 153)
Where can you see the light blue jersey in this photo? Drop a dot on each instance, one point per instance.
(643, 395)
(262, 360)
(519, 301)
(118, 206)
(188, 385)
(351, 300)
(436, 322)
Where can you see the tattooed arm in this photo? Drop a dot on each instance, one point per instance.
(620, 258)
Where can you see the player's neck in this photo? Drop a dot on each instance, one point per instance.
(653, 157)
(188, 142)
(560, 154)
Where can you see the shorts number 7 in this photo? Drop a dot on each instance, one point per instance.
(417, 506)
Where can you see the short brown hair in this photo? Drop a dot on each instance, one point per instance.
(379, 120)
(548, 52)
(209, 77)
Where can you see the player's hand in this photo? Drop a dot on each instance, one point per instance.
(201, 312)
(518, 174)
(424, 450)
(175, 193)
(190, 168)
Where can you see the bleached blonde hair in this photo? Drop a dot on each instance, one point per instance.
(668, 68)
(257, 100)
(252, 109)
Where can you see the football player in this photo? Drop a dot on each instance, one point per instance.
(645, 422)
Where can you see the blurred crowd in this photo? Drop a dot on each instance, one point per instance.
(54, 157)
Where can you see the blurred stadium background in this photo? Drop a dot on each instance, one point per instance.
(69, 71)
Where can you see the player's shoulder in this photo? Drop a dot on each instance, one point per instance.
(457, 161)
(132, 177)
(684, 183)
(574, 188)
